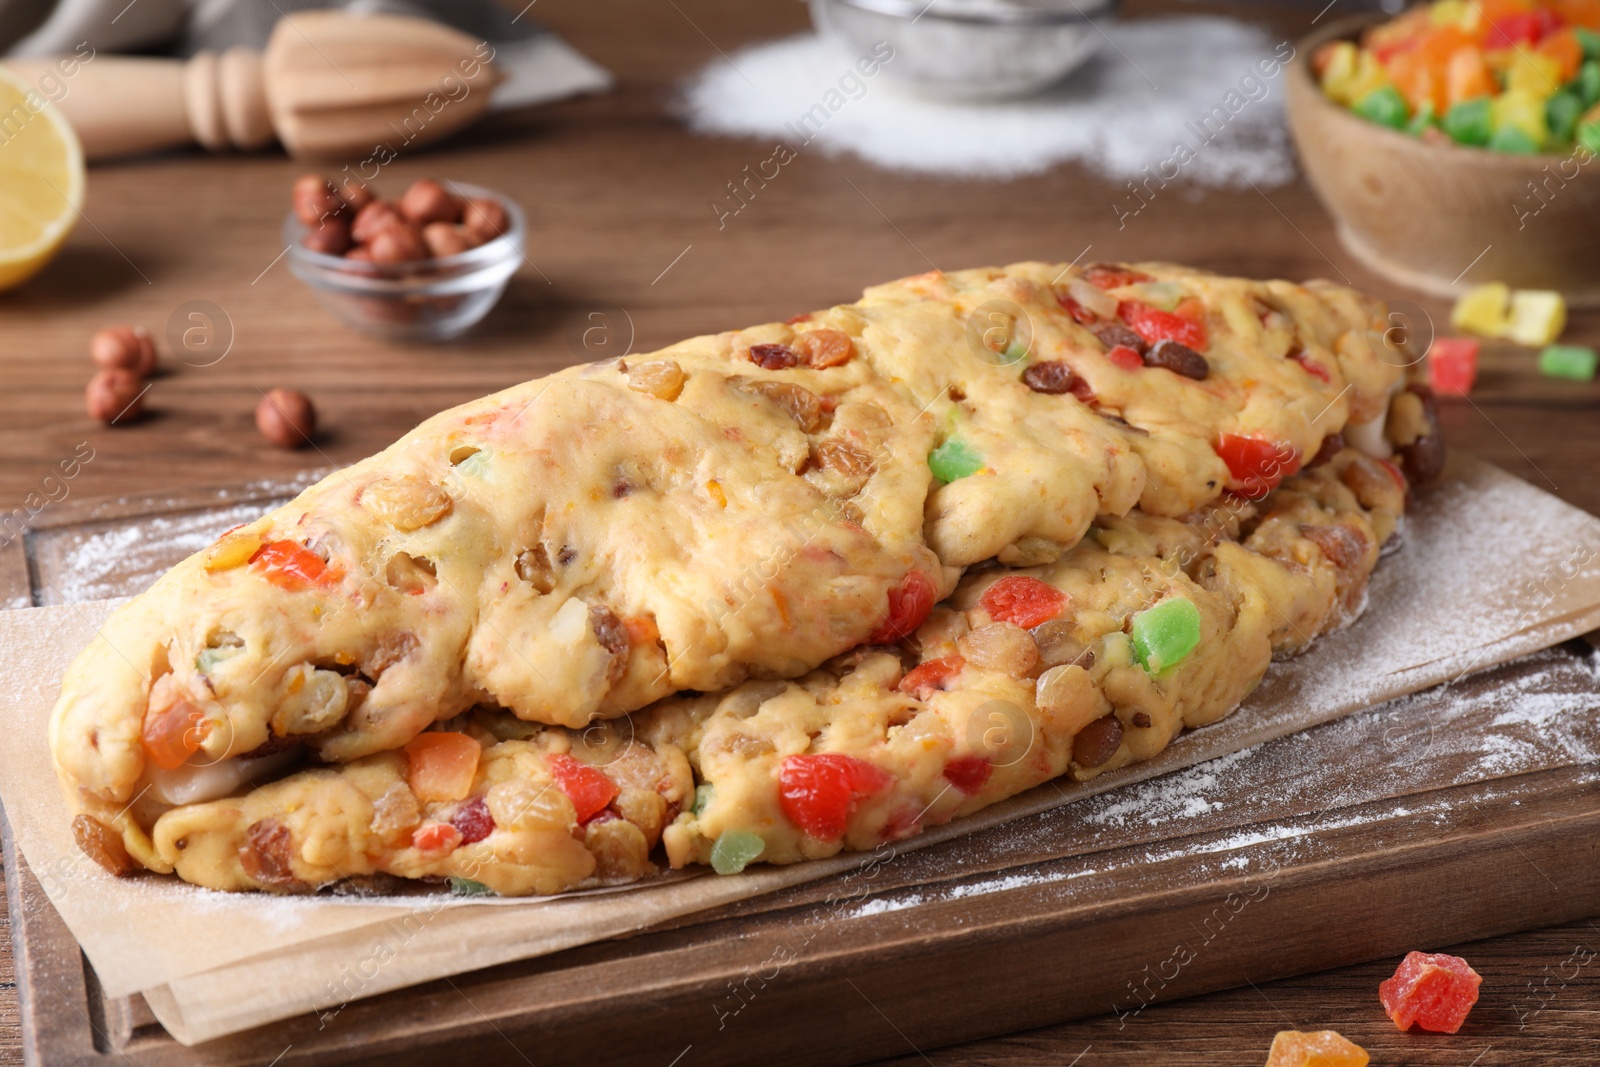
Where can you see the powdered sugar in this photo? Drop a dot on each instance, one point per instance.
(1192, 99)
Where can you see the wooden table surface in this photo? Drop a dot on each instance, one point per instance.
(619, 197)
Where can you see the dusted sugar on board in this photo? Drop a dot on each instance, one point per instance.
(1433, 991)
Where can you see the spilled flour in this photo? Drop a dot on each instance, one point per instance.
(1194, 100)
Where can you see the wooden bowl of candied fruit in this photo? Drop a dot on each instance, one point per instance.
(1437, 216)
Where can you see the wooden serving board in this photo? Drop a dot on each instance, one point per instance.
(1445, 817)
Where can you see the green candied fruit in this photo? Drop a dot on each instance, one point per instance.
(1470, 121)
(1588, 40)
(1422, 120)
(954, 459)
(1513, 142)
(466, 887)
(736, 850)
(1575, 362)
(210, 657)
(703, 793)
(1587, 83)
(1015, 352)
(1561, 112)
(1384, 106)
(1588, 136)
(1165, 634)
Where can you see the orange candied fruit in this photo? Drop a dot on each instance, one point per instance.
(1317, 1048)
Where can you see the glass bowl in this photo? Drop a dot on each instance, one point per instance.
(424, 300)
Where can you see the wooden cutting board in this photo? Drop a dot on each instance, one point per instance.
(1446, 817)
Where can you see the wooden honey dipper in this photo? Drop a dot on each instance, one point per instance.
(329, 85)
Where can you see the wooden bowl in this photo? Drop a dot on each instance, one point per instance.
(1442, 217)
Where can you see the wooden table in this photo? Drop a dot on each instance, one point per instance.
(621, 225)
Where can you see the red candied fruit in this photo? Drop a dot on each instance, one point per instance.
(1110, 276)
(1256, 464)
(1125, 357)
(969, 773)
(909, 605)
(589, 789)
(923, 680)
(472, 818)
(1433, 991)
(1022, 600)
(1453, 364)
(818, 793)
(1154, 325)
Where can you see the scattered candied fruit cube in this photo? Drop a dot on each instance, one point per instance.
(953, 460)
(1576, 362)
(1453, 365)
(1316, 1048)
(1482, 309)
(1433, 991)
(1164, 635)
(1537, 317)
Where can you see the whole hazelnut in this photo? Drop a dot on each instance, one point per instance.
(486, 219)
(114, 396)
(315, 199)
(372, 219)
(359, 252)
(447, 239)
(397, 243)
(126, 348)
(355, 192)
(427, 201)
(332, 238)
(286, 418)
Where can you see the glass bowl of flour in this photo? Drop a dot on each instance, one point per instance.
(969, 49)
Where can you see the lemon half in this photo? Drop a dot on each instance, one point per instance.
(41, 180)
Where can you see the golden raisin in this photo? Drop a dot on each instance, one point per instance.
(837, 454)
(1097, 742)
(619, 847)
(267, 854)
(406, 502)
(660, 378)
(824, 347)
(1000, 646)
(103, 845)
(803, 406)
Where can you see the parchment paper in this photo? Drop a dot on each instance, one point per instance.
(1491, 569)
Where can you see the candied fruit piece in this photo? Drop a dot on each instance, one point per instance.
(736, 850)
(1022, 600)
(953, 460)
(818, 793)
(1537, 317)
(909, 605)
(441, 765)
(589, 789)
(1482, 309)
(1165, 634)
(1316, 1048)
(1434, 991)
(1453, 365)
(1574, 362)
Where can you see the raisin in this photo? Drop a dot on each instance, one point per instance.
(773, 357)
(267, 853)
(844, 457)
(103, 845)
(1332, 445)
(824, 347)
(1113, 334)
(1141, 720)
(533, 567)
(1179, 359)
(613, 637)
(803, 406)
(472, 818)
(1342, 545)
(1097, 742)
(1052, 376)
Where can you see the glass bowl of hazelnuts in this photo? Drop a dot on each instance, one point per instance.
(425, 267)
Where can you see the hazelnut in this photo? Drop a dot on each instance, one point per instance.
(286, 418)
(315, 199)
(372, 220)
(447, 239)
(427, 201)
(486, 219)
(397, 243)
(360, 253)
(356, 193)
(126, 348)
(114, 396)
(332, 238)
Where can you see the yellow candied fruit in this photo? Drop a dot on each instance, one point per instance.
(1537, 317)
(714, 487)
(1521, 109)
(1534, 73)
(1451, 13)
(1481, 310)
(233, 550)
(1317, 1048)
